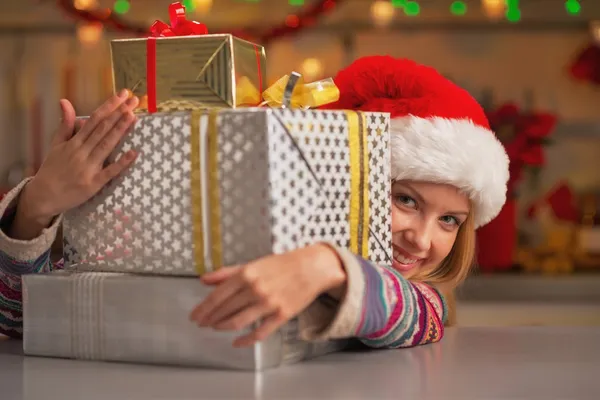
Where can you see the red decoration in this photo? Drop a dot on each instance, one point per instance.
(523, 136)
(299, 21)
(586, 66)
(562, 201)
(496, 241)
(151, 73)
(180, 26)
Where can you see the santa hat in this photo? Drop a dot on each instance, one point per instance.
(439, 133)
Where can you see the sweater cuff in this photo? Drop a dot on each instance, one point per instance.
(23, 250)
(326, 319)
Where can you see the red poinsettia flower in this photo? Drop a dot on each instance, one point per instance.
(534, 156)
(522, 135)
(506, 114)
(538, 125)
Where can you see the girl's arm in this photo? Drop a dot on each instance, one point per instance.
(378, 306)
(18, 257)
(71, 174)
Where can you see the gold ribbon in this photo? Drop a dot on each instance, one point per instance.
(359, 183)
(196, 188)
(212, 193)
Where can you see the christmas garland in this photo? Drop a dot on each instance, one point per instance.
(292, 25)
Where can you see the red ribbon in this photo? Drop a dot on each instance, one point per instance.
(180, 26)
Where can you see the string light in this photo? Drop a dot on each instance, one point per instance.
(595, 27)
(513, 13)
(311, 69)
(202, 6)
(85, 4)
(292, 21)
(573, 7)
(121, 6)
(411, 8)
(305, 18)
(494, 9)
(458, 8)
(382, 12)
(189, 5)
(90, 33)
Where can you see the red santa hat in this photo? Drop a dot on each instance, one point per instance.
(439, 133)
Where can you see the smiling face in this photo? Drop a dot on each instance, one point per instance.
(426, 218)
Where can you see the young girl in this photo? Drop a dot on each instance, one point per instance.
(449, 177)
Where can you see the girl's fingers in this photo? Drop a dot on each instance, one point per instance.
(67, 125)
(242, 318)
(99, 116)
(220, 275)
(115, 169)
(268, 326)
(219, 295)
(228, 309)
(114, 125)
(79, 123)
(109, 141)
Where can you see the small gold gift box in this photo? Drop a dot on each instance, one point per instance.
(188, 72)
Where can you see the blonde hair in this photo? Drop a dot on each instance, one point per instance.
(455, 268)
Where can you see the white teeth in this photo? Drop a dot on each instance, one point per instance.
(403, 260)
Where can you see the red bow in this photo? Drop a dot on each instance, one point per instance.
(180, 25)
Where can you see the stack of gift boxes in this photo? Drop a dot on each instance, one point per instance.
(229, 171)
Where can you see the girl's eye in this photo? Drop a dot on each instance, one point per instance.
(450, 220)
(406, 201)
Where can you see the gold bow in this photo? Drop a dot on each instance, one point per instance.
(289, 91)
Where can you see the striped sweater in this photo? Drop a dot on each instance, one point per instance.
(380, 307)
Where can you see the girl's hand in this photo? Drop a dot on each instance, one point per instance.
(273, 289)
(74, 169)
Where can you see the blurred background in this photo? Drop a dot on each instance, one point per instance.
(533, 64)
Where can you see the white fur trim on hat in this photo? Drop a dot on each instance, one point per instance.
(452, 151)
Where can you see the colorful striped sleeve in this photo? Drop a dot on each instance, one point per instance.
(17, 258)
(396, 312)
(380, 308)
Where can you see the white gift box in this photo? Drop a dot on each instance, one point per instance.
(224, 187)
(142, 319)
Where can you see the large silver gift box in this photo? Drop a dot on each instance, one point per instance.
(141, 319)
(223, 187)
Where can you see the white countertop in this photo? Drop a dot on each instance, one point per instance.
(470, 363)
